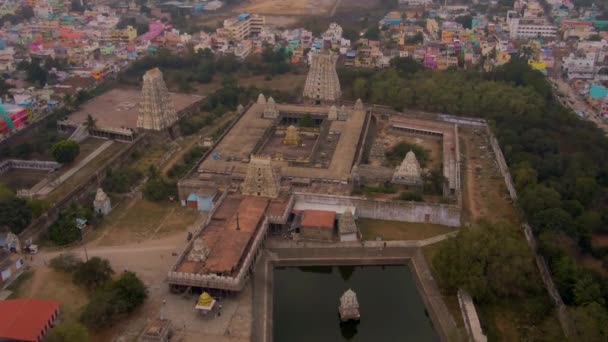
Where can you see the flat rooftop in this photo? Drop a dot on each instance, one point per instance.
(238, 144)
(226, 240)
(118, 108)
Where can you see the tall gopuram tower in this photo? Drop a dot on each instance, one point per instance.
(322, 84)
(261, 180)
(156, 110)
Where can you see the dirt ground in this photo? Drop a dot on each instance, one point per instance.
(395, 230)
(287, 7)
(277, 82)
(147, 245)
(485, 194)
(17, 179)
(138, 220)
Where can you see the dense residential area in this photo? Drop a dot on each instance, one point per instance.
(191, 170)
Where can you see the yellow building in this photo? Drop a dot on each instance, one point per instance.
(538, 65)
(447, 37)
(432, 26)
(502, 58)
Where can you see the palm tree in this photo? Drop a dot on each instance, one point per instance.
(91, 122)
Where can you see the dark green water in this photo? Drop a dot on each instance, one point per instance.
(306, 303)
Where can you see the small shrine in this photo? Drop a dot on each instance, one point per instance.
(349, 306)
(205, 303)
(102, 204)
(291, 136)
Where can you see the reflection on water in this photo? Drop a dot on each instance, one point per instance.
(348, 329)
(306, 300)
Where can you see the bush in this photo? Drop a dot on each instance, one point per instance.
(110, 302)
(65, 262)
(411, 196)
(65, 151)
(158, 189)
(68, 332)
(93, 273)
(16, 214)
(396, 154)
(381, 189)
(121, 180)
(38, 206)
(64, 231)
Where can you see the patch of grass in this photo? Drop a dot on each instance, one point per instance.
(85, 172)
(380, 189)
(18, 285)
(395, 230)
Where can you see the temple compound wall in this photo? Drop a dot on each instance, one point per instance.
(43, 165)
(419, 212)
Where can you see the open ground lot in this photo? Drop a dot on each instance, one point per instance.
(135, 221)
(141, 237)
(395, 230)
(292, 7)
(120, 107)
(485, 193)
(21, 178)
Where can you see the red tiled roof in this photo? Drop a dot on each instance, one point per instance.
(25, 319)
(318, 218)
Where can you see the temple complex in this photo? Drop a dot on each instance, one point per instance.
(409, 172)
(349, 306)
(156, 111)
(322, 84)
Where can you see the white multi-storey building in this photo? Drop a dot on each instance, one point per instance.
(579, 66)
(526, 28)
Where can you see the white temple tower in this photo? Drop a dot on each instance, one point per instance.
(349, 306)
(322, 83)
(156, 111)
(261, 179)
(409, 172)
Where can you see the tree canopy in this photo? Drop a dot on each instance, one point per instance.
(488, 261)
(93, 273)
(65, 151)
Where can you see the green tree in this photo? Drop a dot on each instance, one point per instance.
(372, 33)
(15, 214)
(129, 291)
(110, 302)
(91, 122)
(65, 262)
(465, 20)
(65, 151)
(540, 197)
(587, 291)
(591, 322)
(38, 206)
(93, 273)
(65, 231)
(489, 261)
(360, 88)
(306, 121)
(585, 190)
(406, 65)
(68, 332)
